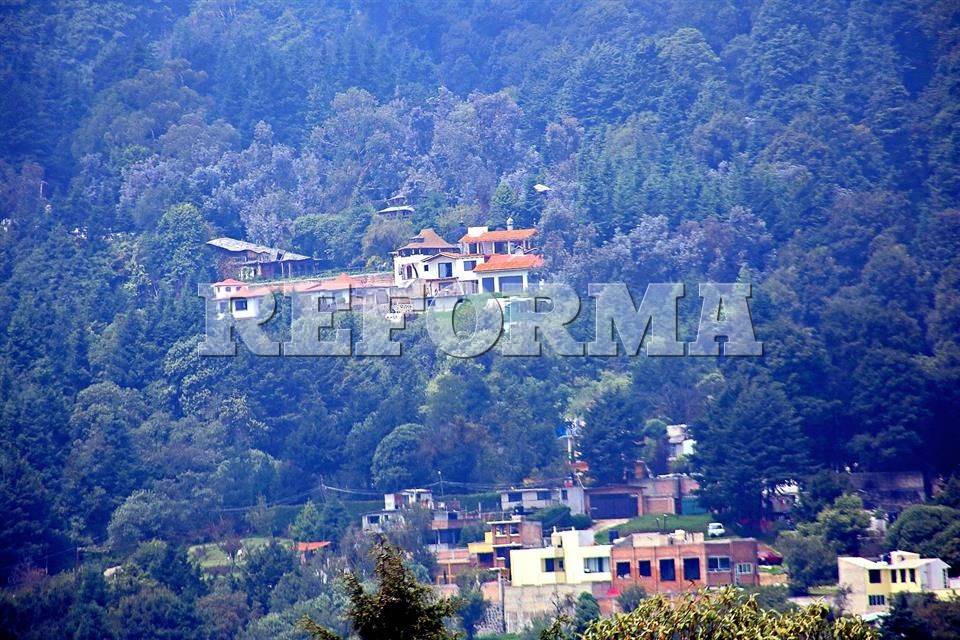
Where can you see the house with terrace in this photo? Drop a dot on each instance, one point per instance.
(244, 299)
(427, 270)
(872, 584)
(483, 241)
(248, 261)
(484, 262)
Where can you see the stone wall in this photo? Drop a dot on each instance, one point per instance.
(522, 604)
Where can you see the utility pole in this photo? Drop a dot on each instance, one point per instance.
(440, 473)
(503, 605)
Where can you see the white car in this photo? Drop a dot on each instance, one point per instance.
(715, 530)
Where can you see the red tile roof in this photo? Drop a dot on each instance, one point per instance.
(508, 262)
(229, 282)
(427, 239)
(339, 283)
(342, 281)
(310, 546)
(504, 235)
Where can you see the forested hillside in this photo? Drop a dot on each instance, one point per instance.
(810, 149)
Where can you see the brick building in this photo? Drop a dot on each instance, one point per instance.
(682, 561)
(662, 494)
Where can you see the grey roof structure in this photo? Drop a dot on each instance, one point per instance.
(234, 245)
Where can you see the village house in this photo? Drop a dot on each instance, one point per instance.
(529, 499)
(502, 537)
(381, 521)
(483, 241)
(394, 504)
(484, 261)
(248, 261)
(679, 442)
(888, 491)
(669, 494)
(397, 207)
(507, 273)
(427, 268)
(408, 499)
(452, 563)
(446, 523)
(873, 583)
(238, 298)
(408, 260)
(244, 299)
(447, 526)
(682, 561)
(572, 558)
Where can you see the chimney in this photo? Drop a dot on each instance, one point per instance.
(509, 224)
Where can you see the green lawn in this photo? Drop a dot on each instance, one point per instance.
(775, 569)
(211, 557)
(648, 523)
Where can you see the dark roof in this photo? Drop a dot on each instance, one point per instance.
(235, 246)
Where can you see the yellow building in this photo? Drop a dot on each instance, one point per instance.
(873, 584)
(571, 558)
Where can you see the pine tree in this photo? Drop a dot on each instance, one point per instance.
(400, 609)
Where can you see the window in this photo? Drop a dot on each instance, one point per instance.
(240, 304)
(717, 564)
(563, 494)
(644, 568)
(445, 269)
(514, 496)
(511, 284)
(543, 495)
(552, 565)
(468, 265)
(668, 572)
(691, 568)
(903, 575)
(913, 575)
(426, 267)
(744, 568)
(596, 565)
(893, 575)
(876, 601)
(488, 285)
(874, 576)
(514, 529)
(623, 569)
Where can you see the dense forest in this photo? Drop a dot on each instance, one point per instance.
(810, 149)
